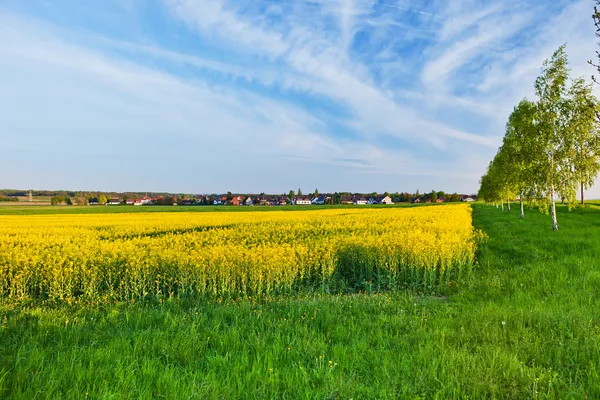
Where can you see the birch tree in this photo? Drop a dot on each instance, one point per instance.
(554, 140)
(583, 122)
(518, 144)
(502, 173)
(489, 189)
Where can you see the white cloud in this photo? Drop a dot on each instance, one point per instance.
(329, 73)
(353, 92)
(89, 103)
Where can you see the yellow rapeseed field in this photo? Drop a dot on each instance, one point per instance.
(129, 256)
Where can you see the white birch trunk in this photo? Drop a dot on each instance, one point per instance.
(553, 209)
(521, 203)
(508, 202)
(502, 205)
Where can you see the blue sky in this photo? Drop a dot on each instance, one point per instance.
(250, 96)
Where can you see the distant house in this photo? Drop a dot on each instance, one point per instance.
(217, 202)
(303, 201)
(346, 199)
(145, 200)
(467, 198)
(381, 200)
(93, 202)
(416, 200)
(440, 200)
(265, 201)
(249, 201)
(319, 200)
(138, 202)
(113, 202)
(360, 201)
(236, 201)
(282, 200)
(130, 202)
(386, 200)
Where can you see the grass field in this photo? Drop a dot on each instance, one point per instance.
(19, 209)
(526, 325)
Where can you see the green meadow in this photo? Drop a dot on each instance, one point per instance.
(119, 209)
(526, 324)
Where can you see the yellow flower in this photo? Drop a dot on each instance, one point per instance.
(107, 257)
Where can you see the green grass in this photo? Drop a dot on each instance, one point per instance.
(118, 209)
(527, 325)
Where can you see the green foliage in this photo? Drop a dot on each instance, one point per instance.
(585, 152)
(56, 200)
(81, 201)
(551, 146)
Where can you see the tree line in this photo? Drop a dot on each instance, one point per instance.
(551, 146)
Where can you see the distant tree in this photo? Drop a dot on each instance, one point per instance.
(8, 199)
(291, 194)
(316, 192)
(337, 198)
(81, 201)
(102, 199)
(403, 198)
(299, 192)
(417, 194)
(433, 196)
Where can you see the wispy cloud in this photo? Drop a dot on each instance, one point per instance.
(245, 95)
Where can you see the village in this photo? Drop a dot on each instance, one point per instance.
(281, 200)
(59, 198)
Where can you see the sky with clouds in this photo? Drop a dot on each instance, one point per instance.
(268, 95)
